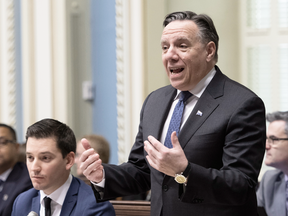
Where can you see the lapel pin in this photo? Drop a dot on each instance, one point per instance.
(199, 113)
(5, 197)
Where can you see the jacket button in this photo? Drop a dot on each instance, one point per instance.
(165, 188)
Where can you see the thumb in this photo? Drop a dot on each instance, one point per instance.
(174, 139)
(85, 144)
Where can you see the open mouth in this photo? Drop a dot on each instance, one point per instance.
(176, 70)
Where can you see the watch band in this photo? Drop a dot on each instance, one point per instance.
(182, 177)
(187, 170)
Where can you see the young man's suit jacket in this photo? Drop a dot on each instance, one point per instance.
(17, 182)
(271, 193)
(224, 146)
(79, 201)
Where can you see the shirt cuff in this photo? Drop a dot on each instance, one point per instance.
(100, 184)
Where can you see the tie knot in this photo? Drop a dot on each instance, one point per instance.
(47, 201)
(184, 95)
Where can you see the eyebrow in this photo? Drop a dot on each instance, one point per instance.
(181, 38)
(41, 153)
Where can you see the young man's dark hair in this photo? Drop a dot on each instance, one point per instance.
(47, 128)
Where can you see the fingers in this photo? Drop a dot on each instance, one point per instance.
(92, 168)
(174, 139)
(152, 146)
(166, 160)
(85, 144)
(91, 165)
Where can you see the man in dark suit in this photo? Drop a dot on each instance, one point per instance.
(14, 176)
(50, 151)
(211, 166)
(272, 192)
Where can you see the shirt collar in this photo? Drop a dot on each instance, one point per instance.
(58, 195)
(5, 175)
(201, 86)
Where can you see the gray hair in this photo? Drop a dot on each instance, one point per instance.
(207, 30)
(276, 116)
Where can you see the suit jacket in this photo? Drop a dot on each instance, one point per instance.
(271, 193)
(79, 201)
(224, 146)
(17, 182)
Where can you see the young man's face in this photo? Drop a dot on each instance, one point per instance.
(47, 168)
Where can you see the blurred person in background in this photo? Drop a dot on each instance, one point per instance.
(272, 193)
(14, 176)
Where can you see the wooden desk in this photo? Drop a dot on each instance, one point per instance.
(131, 208)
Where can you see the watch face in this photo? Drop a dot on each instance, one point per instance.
(180, 179)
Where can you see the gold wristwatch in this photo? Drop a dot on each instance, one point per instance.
(182, 177)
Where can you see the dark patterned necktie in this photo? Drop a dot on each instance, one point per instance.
(176, 118)
(47, 202)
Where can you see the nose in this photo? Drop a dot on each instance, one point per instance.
(268, 145)
(171, 54)
(35, 166)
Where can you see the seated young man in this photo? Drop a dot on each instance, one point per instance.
(50, 151)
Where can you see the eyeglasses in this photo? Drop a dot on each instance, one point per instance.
(4, 141)
(273, 140)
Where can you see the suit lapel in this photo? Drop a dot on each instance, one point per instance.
(10, 184)
(206, 104)
(36, 203)
(158, 118)
(71, 198)
(280, 185)
(159, 110)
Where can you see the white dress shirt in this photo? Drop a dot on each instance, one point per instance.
(57, 197)
(4, 177)
(189, 104)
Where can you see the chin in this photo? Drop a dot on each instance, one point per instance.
(269, 163)
(37, 186)
(177, 85)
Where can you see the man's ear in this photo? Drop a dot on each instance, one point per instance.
(70, 159)
(211, 50)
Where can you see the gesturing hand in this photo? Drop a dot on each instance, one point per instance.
(163, 159)
(90, 163)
